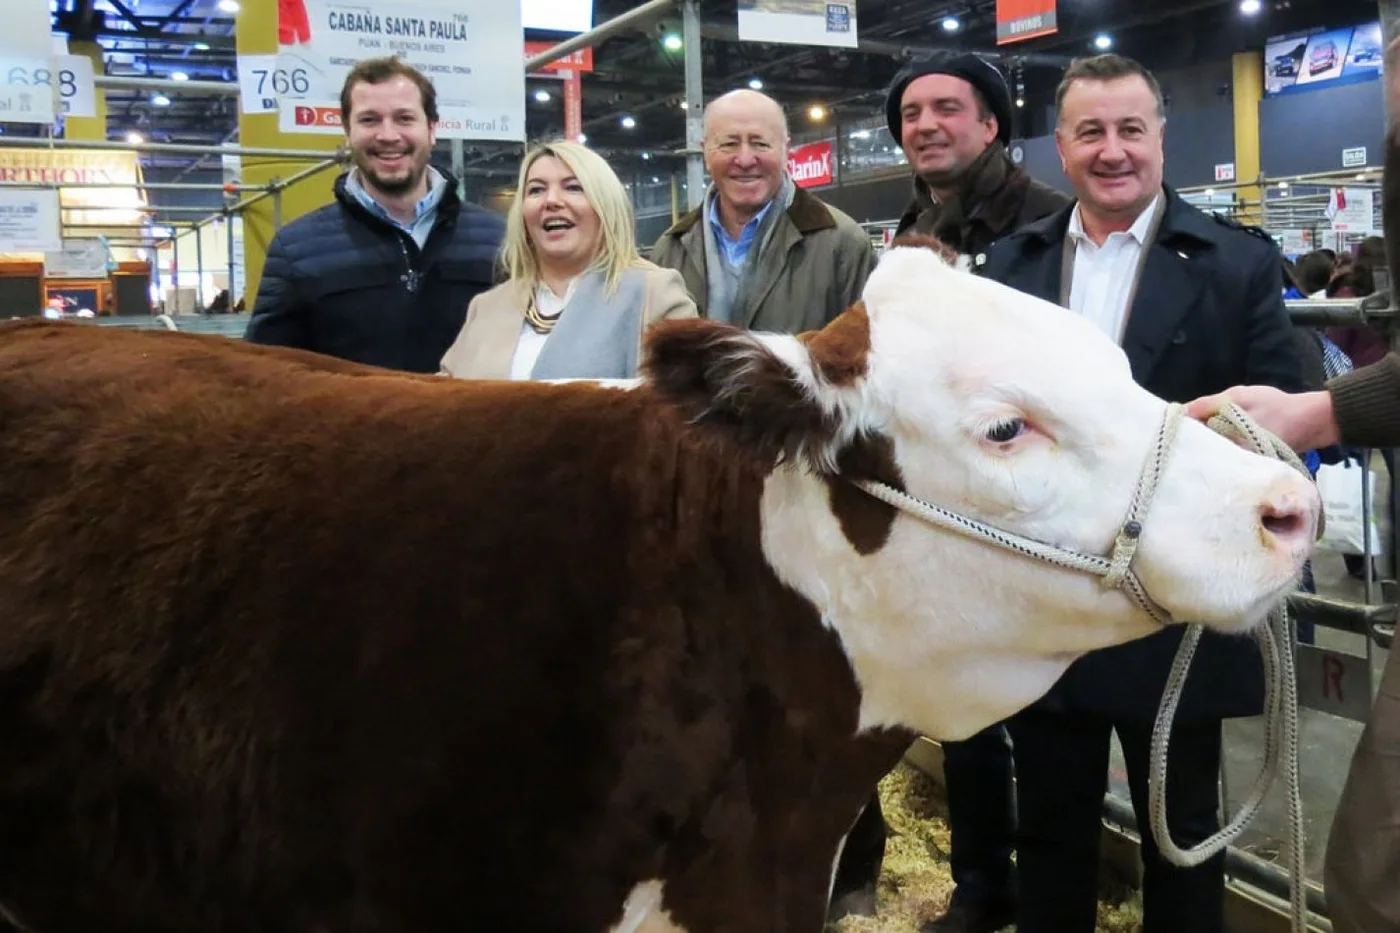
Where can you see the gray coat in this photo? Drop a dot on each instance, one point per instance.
(812, 268)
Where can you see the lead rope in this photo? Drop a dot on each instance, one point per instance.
(1275, 639)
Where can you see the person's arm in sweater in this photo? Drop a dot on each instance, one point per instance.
(1360, 408)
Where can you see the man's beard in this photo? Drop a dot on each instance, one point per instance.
(396, 185)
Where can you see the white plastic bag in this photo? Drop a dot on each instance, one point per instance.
(1340, 486)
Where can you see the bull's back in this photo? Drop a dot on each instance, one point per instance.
(282, 623)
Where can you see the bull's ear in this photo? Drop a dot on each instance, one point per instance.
(763, 391)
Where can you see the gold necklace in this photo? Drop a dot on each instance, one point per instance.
(540, 323)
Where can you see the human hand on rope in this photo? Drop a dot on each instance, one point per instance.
(1303, 421)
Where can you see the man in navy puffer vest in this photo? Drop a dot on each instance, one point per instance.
(384, 274)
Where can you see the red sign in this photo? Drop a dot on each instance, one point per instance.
(576, 61)
(810, 165)
(316, 116)
(1018, 20)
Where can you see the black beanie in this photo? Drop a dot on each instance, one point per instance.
(973, 69)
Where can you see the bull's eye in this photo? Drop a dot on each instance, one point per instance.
(1006, 431)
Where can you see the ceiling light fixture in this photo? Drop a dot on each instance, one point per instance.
(628, 122)
(1103, 42)
(755, 84)
(816, 112)
(1250, 7)
(951, 24)
(671, 42)
(542, 96)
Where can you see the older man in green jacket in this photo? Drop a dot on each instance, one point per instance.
(761, 252)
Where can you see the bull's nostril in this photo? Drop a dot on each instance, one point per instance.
(1283, 525)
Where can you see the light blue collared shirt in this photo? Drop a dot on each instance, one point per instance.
(424, 212)
(735, 251)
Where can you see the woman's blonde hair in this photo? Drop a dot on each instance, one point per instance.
(617, 249)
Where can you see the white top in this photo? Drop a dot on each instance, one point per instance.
(1103, 276)
(531, 342)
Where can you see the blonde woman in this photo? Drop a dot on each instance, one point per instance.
(579, 295)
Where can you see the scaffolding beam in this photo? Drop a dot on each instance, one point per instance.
(729, 32)
(134, 83)
(303, 155)
(139, 186)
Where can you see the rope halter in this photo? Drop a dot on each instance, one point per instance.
(1115, 571)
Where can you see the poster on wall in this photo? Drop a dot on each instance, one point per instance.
(479, 78)
(799, 22)
(1322, 58)
(810, 166)
(29, 220)
(80, 258)
(1019, 20)
(120, 205)
(1352, 210)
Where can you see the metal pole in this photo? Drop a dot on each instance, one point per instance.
(174, 275)
(635, 18)
(228, 235)
(304, 173)
(121, 229)
(29, 142)
(142, 186)
(174, 208)
(199, 269)
(132, 83)
(694, 104)
(459, 162)
(276, 208)
(729, 32)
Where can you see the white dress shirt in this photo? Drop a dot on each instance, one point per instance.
(531, 343)
(1102, 282)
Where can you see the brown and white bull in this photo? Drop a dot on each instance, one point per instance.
(288, 644)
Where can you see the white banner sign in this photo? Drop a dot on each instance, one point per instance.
(799, 22)
(1352, 210)
(26, 50)
(29, 220)
(1295, 242)
(257, 81)
(77, 92)
(84, 258)
(469, 50)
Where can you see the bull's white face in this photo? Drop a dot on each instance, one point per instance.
(1021, 414)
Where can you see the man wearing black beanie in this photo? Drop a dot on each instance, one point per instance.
(951, 112)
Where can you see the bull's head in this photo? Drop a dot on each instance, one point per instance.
(1011, 411)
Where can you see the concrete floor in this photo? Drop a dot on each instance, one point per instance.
(1326, 746)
